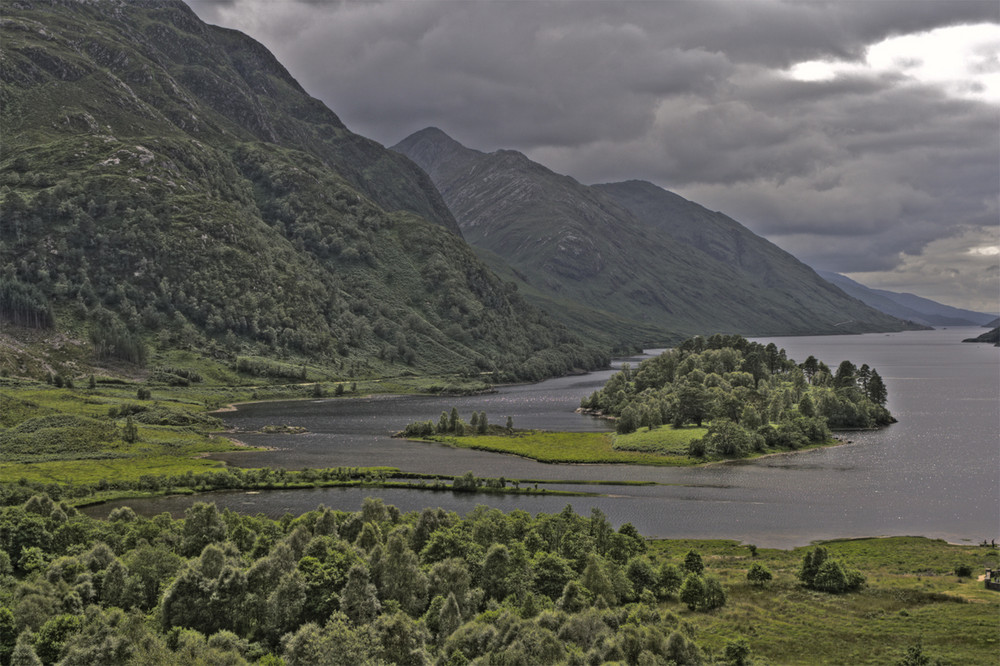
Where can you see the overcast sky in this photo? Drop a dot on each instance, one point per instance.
(862, 136)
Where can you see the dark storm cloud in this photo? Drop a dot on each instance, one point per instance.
(868, 171)
(777, 34)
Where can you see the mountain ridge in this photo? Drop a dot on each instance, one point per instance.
(910, 306)
(631, 250)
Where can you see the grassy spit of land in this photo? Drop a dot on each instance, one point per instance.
(663, 446)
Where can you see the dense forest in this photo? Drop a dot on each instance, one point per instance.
(330, 587)
(379, 587)
(751, 395)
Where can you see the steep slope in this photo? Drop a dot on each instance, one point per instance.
(167, 184)
(631, 250)
(909, 306)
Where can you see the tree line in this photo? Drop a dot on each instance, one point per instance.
(453, 424)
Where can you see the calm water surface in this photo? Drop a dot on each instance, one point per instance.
(935, 473)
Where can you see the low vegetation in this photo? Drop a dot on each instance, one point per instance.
(379, 586)
(82, 429)
(112, 432)
(561, 447)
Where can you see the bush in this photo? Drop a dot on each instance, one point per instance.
(419, 429)
(693, 563)
(728, 439)
(963, 570)
(758, 575)
(818, 572)
(702, 594)
(697, 448)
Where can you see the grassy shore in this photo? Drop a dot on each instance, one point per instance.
(77, 435)
(912, 596)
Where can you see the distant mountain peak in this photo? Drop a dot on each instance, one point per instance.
(909, 306)
(431, 133)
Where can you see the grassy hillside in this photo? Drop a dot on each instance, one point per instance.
(166, 185)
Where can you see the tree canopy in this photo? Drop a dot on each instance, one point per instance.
(752, 396)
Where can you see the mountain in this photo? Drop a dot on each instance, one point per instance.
(632, 253)
(167, 185)
(908, 306)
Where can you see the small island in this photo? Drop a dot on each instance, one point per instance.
(707, 400)
(991, 337)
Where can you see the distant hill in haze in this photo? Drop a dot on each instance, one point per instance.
(908, 306)
(166, 185)
(630, 255)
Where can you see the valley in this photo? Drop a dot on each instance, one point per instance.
(219, 305)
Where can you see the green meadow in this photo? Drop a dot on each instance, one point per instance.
(563, 447)
(661, 446)
(912, 596)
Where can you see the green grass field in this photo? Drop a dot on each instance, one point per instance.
(669, 441)
(912, 596)
(663, 446)
(663, 440)
(75, 435)
(563, 447)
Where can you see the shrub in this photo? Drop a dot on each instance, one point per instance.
(818, 572)
(758, 575)
(692, 591)
(693, 563)
(697, 448)
(419, 429)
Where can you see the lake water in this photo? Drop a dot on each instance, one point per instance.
(935, 473)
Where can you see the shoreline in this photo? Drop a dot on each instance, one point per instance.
(787, 545)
